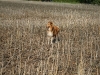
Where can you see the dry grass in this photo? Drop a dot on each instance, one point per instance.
(24, 49)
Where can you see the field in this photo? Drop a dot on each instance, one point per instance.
(23, 40)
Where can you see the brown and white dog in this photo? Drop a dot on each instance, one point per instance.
(52, 32)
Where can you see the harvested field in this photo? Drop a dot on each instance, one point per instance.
(23, 40)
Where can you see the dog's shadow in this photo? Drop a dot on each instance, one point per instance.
(55, 39)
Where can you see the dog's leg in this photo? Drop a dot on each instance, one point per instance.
(52, 40)
(48, 40)
(57, 39)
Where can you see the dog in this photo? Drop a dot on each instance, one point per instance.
(52, 32)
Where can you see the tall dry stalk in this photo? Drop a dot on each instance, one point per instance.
(81, 66)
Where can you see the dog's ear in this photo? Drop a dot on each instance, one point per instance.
(53, 28)
(51, 23)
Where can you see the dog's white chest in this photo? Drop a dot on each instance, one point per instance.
(49, 33)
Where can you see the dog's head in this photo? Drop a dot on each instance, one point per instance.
(49, 26)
